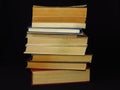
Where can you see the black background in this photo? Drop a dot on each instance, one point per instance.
(103, 31)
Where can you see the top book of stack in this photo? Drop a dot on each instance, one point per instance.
(45, 16)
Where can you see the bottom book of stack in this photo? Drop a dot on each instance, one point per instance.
(46, 76)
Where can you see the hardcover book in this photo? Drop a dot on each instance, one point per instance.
(56, 65)
(60, 17)
(63, 50)
(43, 77)
(50, 41)
(61, 58)
(41, 11)
(59, 14)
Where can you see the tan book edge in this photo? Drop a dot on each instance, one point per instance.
(36, 49)
(59, 19)
(57, 41)
(59, 76)
(56, 65)
(59, 25)
(62, 58)
(60, 11)
(51, 35)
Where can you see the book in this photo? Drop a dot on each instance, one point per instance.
(53, 30)
(58, 25)
(45, 77)
(59, 19)
(56, 65)
(62, 58)
(50, 41)
(30, 34)
(43, 11)
(59, 14)
(63, 17)
(39, 49)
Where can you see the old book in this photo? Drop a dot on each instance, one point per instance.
(43, 77)
(59, 19)
(39, 49)
(53, 30)
(58, 25)
(29, 34)
(43, 11)
(61, 58)
(56, 65)
(50, 41)
(59, 14)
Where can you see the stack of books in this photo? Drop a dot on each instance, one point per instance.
(57, 44)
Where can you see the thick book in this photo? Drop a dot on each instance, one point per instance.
(59, 19)
(53, 30)
(56, 65)
(41, 11)
(58, 25)
(45, 77)
(30, 34)
(61, 58)
(50, 41)
(59, 14)
(63, 50)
